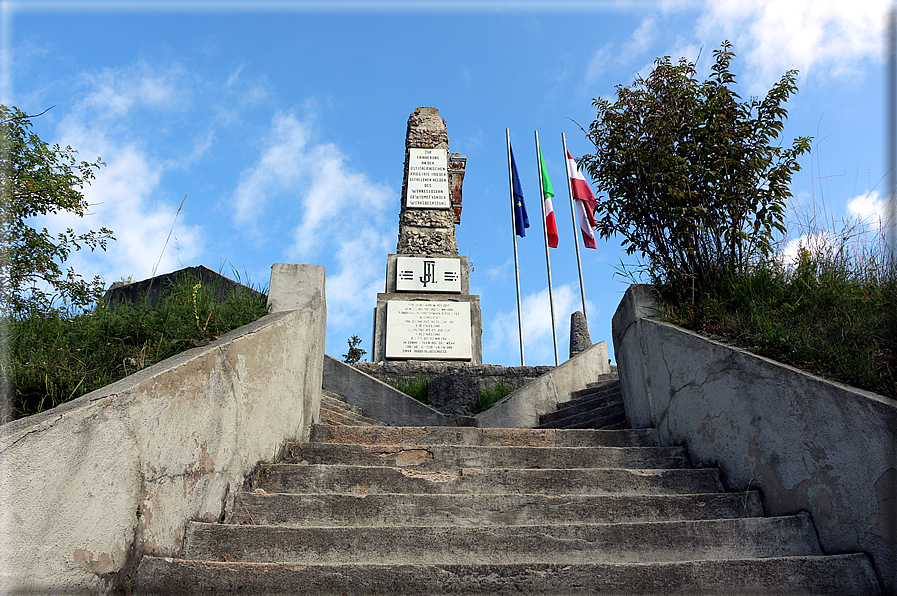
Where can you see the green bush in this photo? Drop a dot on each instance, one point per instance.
(57, 356)
(694, 179)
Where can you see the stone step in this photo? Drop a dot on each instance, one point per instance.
(358, 480)
(338, 416)
(590, 395)
(565, 409)
(845, 575)
(333, 402)
(594, 407)
(509, 437)
(646, 542)
(603, 378)
(339, 406)
(442, 457)
(596, 389)
(278, 509)
(600, 418)
(332, 398)
(609, 423)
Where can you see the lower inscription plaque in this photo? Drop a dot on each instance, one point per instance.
(428, 329)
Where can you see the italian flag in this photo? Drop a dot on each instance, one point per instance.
(584, 202)
(550, 225)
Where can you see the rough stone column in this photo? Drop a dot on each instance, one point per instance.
(579, 334)
(428, 232)
(429, 322)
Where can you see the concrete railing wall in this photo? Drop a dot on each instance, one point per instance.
(522, 408)
(379, 400)
(88, 487)
(808, 444)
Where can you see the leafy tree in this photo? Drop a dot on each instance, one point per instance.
(693, 176)
(38, 179)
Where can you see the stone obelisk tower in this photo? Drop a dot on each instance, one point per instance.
(427, 312)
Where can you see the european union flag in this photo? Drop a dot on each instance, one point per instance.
(521, 221)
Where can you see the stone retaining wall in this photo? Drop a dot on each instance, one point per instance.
(88, 487)
(807, 443)
(454, 387)
(488, 375)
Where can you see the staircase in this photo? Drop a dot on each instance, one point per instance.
(599, 406)
(336, 412)
(460, 510)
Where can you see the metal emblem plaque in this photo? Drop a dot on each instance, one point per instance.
(416, 274)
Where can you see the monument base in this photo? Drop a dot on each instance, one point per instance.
(424, 326)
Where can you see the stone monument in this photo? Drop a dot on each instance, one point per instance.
(427, 312)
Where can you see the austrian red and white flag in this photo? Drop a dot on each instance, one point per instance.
(584, 201)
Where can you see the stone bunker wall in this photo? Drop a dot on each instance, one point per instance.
(808, 444)
(88, 487)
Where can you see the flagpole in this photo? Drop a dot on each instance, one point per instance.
(576, 232)
(514, 236)
(554, 335)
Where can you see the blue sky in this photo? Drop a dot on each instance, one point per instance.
(283, 123)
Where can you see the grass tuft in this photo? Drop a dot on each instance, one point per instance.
(416, 386)
(490, 396)
(59, 356)
(829, 309)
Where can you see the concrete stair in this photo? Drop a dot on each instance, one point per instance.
(460, 510)
(599, 406)
(335, 411)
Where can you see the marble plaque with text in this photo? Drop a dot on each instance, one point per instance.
(427, 186)
(428, 330)
(417, 274)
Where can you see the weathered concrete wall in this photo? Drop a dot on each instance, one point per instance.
(807, 443)
(379, 400)
(91, 485)
(521, 409)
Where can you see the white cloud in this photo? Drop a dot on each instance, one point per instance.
(502, 270)
(868, 209)
(598, 64)
(337, 201)
(342, 213)
(124, 195)
(464, 75)
(122, 199)
(538, 346)
(817, 37)
(860, 229)
(814, 243)
(641, 39)
(113, 93)
(359, 276)
(275, 171)
(624, 54)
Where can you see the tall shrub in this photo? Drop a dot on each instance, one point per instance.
(693, 177)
